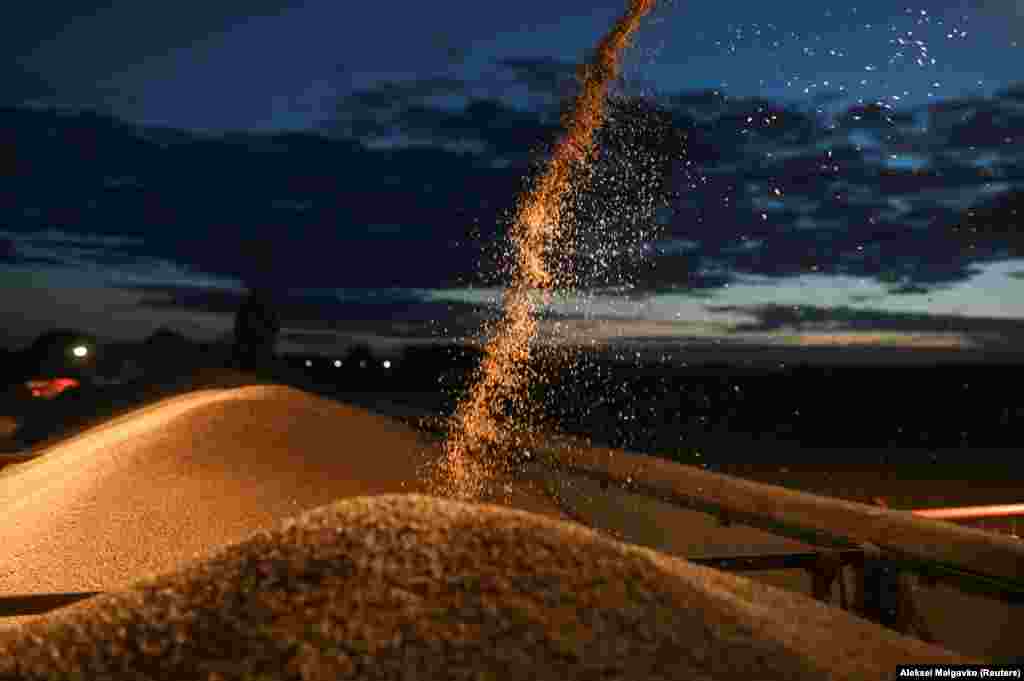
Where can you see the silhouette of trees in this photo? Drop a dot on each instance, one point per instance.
(166, 336)
(257, 327)
(428, 366)
(8, 367)
(169, 352)
(360, 358)
(63, 352)
(258, 321)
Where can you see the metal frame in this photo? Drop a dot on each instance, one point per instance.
(38, 604)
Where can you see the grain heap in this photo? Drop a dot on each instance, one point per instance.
(410, 586)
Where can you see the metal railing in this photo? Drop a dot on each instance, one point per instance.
(825, 568)
(870, 539)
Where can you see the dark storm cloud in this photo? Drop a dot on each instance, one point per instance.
(1013, 93)
(864, 219)
(988, 128)
(22, 84)
(752, 120)
(985, 334)
(782, 317)
(763, 188)
(997, 122)
(198, 300)
(874, 117)
(38, 22)
(397, 95)
(703, 105)
(401, 313)
(332, 212)
(1012, 10)
(409, 109)
(8, 251)
(544, 76)
(503, 129)
(475, 111)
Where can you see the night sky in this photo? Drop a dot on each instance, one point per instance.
(828, 149)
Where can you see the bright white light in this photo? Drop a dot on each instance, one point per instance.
(80, 351)
(309, 362)
(337, 362)
(386, 363)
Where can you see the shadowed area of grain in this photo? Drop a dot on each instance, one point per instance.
(410, 586)
(177, 479)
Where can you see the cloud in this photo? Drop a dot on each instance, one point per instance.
(22, 84)
(809, 318)
(500, 128)
(112, 259)
(418, 198)
(379, 111)
(327, 318)
(57, 236)
(8, 250)
(410, 112)
(396, 95)
(544, 76)
(1003, 9)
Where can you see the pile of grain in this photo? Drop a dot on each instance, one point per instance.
(414, 587)
(175, 480)
(187, 475)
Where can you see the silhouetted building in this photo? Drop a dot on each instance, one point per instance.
(8, 367)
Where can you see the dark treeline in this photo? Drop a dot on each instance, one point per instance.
(666, 409)
(660, 408)
(871, 407)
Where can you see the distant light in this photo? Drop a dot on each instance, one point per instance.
(50, 388)
(309, 362)
(337, 362)
(80, 351)
(386, 364)
(362, 364)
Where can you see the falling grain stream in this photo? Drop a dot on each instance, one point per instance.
(538, 238)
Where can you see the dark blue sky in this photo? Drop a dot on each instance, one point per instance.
(268, 65)
(797, 219)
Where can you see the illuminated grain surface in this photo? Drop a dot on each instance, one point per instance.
(478, 435)
(146, 492)
(182, 477)
(409, 586)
